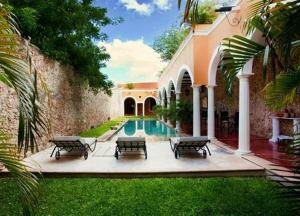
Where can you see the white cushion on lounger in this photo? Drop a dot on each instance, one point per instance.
(131, 139)
(192, 139)
(66, 138)
(88, 141)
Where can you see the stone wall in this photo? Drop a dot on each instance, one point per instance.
(261, 122)
(117, 100)
(71, 110)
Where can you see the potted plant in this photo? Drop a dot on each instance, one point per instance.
(183, 112)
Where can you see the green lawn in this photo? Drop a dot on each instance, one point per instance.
(139, 117)
(101, 129)
(169, 196)
(104, 127)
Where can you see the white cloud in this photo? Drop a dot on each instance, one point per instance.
(162, 4)
(141, 62)
(141, 8)
(146, 8)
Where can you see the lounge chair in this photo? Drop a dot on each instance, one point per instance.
(70, 143)
(179, 144)
(130, 144)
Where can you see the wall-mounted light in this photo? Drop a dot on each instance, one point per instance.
(225, 9)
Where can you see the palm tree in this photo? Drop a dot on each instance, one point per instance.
(17, 74)
(279, 23)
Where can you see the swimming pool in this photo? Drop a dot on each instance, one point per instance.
(153, 130)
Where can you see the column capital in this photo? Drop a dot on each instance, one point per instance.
(244, 75)
(196, 86)
(211, 86)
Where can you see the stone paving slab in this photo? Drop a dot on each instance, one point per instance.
(161, 161)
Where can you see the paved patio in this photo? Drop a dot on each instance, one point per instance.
(160, 162)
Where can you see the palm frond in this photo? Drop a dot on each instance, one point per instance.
(26, 181)
(283, 90)
(279, 22)
(236, 52)
(16, 73)
(254, 9)
(189, 5)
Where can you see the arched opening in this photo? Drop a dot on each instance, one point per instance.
(129, 106)
(171, 91)
(164, 98)
(224, 111)
(184, 74)
(186, 101)
(149, 106)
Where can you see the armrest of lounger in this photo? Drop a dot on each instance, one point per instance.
(173, 142)
(90, 141)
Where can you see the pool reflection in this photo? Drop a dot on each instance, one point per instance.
(130, 128)
(151, 129)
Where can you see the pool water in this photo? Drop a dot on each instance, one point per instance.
(152, 130)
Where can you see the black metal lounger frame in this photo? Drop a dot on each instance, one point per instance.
(130, 146)
(70, 145)
(198, 145)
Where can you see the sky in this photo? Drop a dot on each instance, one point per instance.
(130, 43)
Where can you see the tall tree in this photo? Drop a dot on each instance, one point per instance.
(167, 44)
(67, 31)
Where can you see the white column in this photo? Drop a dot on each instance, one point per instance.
(163, 106)
(296, 122)
(178, 127)
(136, 107)
(196, 111)
(275, 129)
(211, 113)
(244, 114)
(160, 103)
(168, 106)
